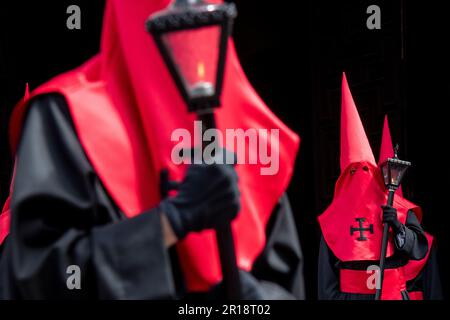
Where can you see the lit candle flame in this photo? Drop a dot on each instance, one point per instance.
(201, 70)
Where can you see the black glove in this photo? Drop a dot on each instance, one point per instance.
(207, 197)
(390, 217)
(250, 288)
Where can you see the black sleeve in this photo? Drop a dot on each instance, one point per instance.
(411, 242)
(279, 268)
(63, 217)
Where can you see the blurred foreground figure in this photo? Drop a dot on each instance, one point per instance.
(352, 226)
(90, 146)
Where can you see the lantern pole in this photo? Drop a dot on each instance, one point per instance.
(224, 233)
(392, 187)
(384, 242)
(191, 15)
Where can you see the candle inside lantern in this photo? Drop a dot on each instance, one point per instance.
(202, 89)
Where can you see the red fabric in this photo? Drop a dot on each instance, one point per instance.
(356, 281)
(355, 146)
(415, 295)
(5, 217)
(26, 96)
(414, 267)
(125, 106)
(359, 193)
(387, 150)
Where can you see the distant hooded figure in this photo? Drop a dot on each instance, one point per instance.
(352, 226)
(423, 281)
(90, 146)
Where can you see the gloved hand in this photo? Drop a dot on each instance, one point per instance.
(250, 288)
(207, 197)
(390, 217)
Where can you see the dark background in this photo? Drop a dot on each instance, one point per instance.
(294, 56)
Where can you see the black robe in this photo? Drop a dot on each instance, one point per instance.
(415, 247)
(63, 216)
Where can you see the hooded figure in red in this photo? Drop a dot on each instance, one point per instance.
(90, 146)
(353, 223)
(422, 276)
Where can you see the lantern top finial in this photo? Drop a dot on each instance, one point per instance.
(396, 150)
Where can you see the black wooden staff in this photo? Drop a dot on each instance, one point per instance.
(393, 170)
(224, 234)
(384, 243)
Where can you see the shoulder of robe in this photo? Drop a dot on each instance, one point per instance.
(47, 107)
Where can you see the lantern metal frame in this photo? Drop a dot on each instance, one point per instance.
(387, 168)
(191, 15)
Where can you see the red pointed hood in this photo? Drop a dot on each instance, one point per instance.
(355, 146)
(125, 107)
(359, 194)
(387, 149)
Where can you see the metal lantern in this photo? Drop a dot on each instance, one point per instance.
(191, 36)
(393, 170)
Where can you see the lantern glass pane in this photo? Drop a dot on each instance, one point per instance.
(385, 171)
(395, 175)
(195, 54)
